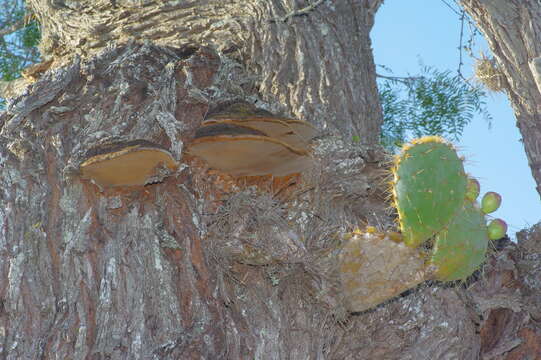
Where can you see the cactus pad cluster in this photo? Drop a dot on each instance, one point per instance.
(440, 222)
(436, 203)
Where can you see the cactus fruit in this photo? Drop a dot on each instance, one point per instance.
(460, 248)
(429, 188)
(472, 189)
(497, 229)
(491, 202)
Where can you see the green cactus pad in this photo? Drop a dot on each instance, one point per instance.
(460, 248)
(429, 188)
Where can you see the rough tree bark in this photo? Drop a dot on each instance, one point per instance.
(512, 29)
(149, 272)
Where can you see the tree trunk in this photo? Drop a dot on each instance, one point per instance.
(153, 272)
(297, 64)
(512, 29)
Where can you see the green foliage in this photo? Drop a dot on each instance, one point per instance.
(18, 48)
(433, 103)
(31, 35)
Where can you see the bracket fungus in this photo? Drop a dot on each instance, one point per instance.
(250, 155)
(295, 133)
(128, 164)
(251, 143)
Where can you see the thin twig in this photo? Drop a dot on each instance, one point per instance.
(458, 12)
(460, 48)
(303, 11)
(402, 79)
(460, 62)
(450, 7)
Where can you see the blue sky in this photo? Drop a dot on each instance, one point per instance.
(406, 31)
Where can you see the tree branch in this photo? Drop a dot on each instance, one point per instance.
(13, 27)
(402, 79)
(303, 11)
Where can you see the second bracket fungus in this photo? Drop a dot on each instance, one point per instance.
(128, 164)
(295, 133)
(250, 155)
(244, 141)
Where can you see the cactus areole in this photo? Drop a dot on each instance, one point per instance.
(429, 188)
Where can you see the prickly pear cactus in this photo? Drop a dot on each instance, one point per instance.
(444, 231)
(436, 201)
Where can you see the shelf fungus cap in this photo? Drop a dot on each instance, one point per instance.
(250, 155)
(296, 133)
(128, 164)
